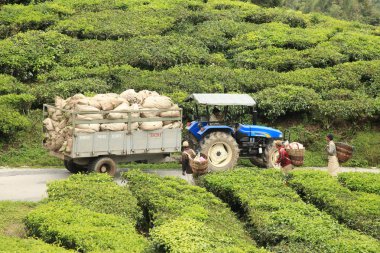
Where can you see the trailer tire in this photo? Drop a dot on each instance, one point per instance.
(272, 156)
(103, 165)
(222, 151)
(73, 167)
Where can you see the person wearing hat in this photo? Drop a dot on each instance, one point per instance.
(187, 151)
(333, 163)
(283, 158)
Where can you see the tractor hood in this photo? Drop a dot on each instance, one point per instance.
(260, 131)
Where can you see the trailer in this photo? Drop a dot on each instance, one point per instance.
(101, 151)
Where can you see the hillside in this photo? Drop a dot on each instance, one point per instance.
(312, 68)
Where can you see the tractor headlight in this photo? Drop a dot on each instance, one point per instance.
(280, 135)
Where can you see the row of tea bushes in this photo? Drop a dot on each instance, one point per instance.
(97, 192)
(75, 227)
(358, 210)
(14, 244)
(185, 218)
(363, 182)
(278, 218)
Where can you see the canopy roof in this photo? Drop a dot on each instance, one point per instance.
(222, 99)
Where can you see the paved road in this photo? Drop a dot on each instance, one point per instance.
(30, 184)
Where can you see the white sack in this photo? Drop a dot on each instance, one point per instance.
(48, 123)
(171, 114)
(132, 96)
(149, 112)
(148, 126)
(159, 102)
(95, 127)
(112, 127)
(122, 107)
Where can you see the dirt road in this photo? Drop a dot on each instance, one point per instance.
(25, 184)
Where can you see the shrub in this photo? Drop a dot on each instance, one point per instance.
(267, 15)
(281, 100)
(20, 102)
(76, 227)
(14, 244)
(98, 193)
(367, 146)
(277, 217)
(364, 182)
(28, 54)
(161, 52)
(9, 84)
(11, 121)
(360, 211)
(20, 18)
(116, 24)
(182, 214)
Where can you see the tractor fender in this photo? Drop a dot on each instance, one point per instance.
(209, 129)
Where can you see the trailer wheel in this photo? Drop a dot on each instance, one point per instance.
(222, 151)
(73, 167)
(103, 165)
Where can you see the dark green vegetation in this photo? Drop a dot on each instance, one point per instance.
(12, 230)
(185, 218)
(278, 219)
(76, 227)
(358, 210)
(367, 11)
(308, 67)
(97, 192)
(364, 182)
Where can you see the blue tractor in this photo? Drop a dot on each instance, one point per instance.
(212, 133)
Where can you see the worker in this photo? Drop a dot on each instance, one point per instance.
(333, 163)
(283, 158)
(186, 153)
(216, 115)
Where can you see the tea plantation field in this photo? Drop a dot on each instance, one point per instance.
(242, 210)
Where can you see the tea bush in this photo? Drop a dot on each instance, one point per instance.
(358, 210)
(14, 244)
(9, 84)
(363, 182)
(186, 218)
(11, 121)
(277, 217)
(76, 227)
(21, 102)
(97, 192)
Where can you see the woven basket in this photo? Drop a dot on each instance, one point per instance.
(198, 167)
(343, 151)
(296, 156)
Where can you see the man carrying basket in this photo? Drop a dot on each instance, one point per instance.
(283, 158)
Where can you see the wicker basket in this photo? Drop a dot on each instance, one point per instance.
(343, 151)
(296, 156)
(198, 168)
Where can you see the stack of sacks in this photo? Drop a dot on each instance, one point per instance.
(59, 128)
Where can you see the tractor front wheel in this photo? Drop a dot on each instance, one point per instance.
(222, 151)
(272, 157)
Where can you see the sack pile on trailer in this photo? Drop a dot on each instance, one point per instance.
(110, 106)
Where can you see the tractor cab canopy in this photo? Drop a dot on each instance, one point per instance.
(218, 99)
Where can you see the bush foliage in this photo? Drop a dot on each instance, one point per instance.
(98, 193)
(76, 227)
(357, 210)
(277, 217)
(14, 244)
(363, 182)
(186, 218)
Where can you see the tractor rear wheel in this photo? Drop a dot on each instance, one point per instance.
(222, 151)
(73, 167)
(272, 156)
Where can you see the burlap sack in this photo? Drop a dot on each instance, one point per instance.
(88, 108)
(48, 123)
(80, 130)
(171, 114)
(78, 96)
(149, 112)
(148, 126)
(122, 107)
(69, 145)
(159, 102)
(135, 107)
(175, 124)
(94, 103)
(134, 126)
(95, 127)
(132, 96)
(112, 127)
(57, 115)
(146, 93)
(59, 102)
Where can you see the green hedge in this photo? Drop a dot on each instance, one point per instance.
(358, 210)
(11, 121)
(20, 102)
(277, 217)
(186, 218)
(75, 227)
(9, 84)
(364, 182)
(14, 244)
(98, 193)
